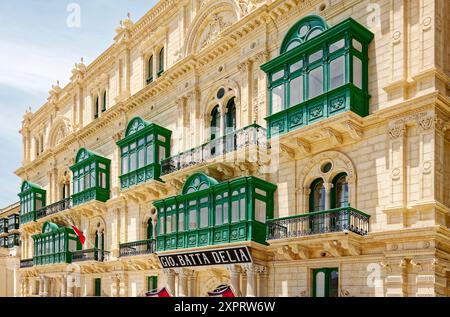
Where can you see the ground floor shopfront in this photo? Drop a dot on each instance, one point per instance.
(329, 265)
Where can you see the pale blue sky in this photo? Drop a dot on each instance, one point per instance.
(37, 48)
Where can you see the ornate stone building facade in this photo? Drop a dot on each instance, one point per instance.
(282, 147)
(9, 251)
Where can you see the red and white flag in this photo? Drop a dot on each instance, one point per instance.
(79, 234)
(158, 293)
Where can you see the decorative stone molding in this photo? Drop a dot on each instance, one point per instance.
(334, 135)
(397, 131)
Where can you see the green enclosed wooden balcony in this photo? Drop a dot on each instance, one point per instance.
(91, 178)
(334, 220)
(142, 149)
(321, 72)
(55, 245)
(32, 198)
(211, 213)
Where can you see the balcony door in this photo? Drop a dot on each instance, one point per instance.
(326, 282)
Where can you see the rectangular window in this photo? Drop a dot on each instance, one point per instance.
(315, 82)
(315, 56)
(152, 283)
(337, 46)
(174, 223)
(169, 224)
(87, 177)
(225, 213)
(277, 99)
(260, 210)
(93, 178)
(193, 219)
(81, 188)
(296, 66)
(234, 211)
(161, 224)
(181, 221)
(204, 217)
(103, 180)
(278, 75)
(219, 209)
(296, 91)
(337, 72)
(150, 154)
(124, 164)
(357, 72)
(357, 45)
(162, 153)
(133, 161)
(242, 209)
(141, 158)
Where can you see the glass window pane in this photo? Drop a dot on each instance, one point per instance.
(234, 211)
(193, 219)
(336, 46)
(169, 224)
(103, 180)
(162, 153)
(150, 154)
(278, 75)
(316, 82)
(181, 221)
(341, 192)
(315, 56)
(204, 217)
(161, 225)
(320, 284)
(260, 210)
(277, 99)
(141, 158)
(218, 221)
(337, 72)
(133, 161)
(161, 138)
(296, 91)
(357, 72)
(242, 209)
(296, 66)
(357, 45)
(225, 213)
(124, 165)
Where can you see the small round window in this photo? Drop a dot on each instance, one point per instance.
(326, 167)
(220, 93)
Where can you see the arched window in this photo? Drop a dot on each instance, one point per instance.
(215, 123)
(339, 193)
(150, 70)
(104, 101)
(231, 116)
(161, 62)
(317, 196)
(97, 107)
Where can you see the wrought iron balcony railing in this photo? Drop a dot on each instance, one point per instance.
(26, 263)
(54, 208)
(90, 255)
(334, 220)
(138, 248)
(239, 139)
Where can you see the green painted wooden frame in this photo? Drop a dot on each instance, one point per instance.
(29, 194)
(246, 228)
(142, 135)
(347, 97)
(96, 164)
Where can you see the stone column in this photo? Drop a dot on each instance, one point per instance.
(235, 272)
(251, 280)
(192, 284)
(183, 275)
(70, 286)
(46, 287)
(328, 187)
(41, 286)
(63, 285)
(170, 278)
(263, 282)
